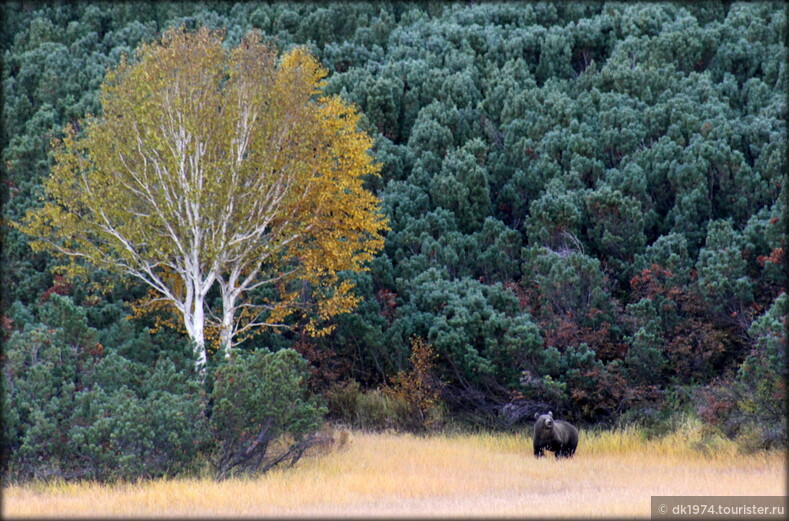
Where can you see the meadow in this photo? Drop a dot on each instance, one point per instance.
(613, 474)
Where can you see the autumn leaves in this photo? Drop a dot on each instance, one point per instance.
(215, 169)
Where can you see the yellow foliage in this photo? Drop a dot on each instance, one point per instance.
(418, 387)
(210, 163)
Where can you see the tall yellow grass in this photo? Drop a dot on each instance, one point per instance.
(613, 474)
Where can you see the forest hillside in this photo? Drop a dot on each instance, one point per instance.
(585, 206)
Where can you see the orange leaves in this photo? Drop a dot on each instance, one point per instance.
(651, 281)
(775, 257)
(418, 387)
(60, 286)
(164, 312)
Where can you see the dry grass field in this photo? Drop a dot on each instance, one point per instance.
(395, 475)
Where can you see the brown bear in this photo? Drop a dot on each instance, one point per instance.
(555, 435)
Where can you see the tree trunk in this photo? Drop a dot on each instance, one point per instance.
(194, 321)
(226, 333)
(199, 336)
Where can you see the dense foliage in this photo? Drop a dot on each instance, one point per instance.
(586, 203)
(214, 167)
(74, 408)
(260, 399)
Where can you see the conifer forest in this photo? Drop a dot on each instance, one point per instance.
(407, 216)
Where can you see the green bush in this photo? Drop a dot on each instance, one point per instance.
(119, 435)
(262, 413)
(76, 410)
(751, 407)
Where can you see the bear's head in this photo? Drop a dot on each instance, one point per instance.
(544, 421)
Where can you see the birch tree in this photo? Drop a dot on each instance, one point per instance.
(217, 168)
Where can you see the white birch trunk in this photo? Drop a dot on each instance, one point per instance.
(227, 326)
(199, 336)
(194, 322)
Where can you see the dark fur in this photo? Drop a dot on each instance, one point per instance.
(557, 436)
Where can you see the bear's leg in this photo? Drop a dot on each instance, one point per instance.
(565, 452)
